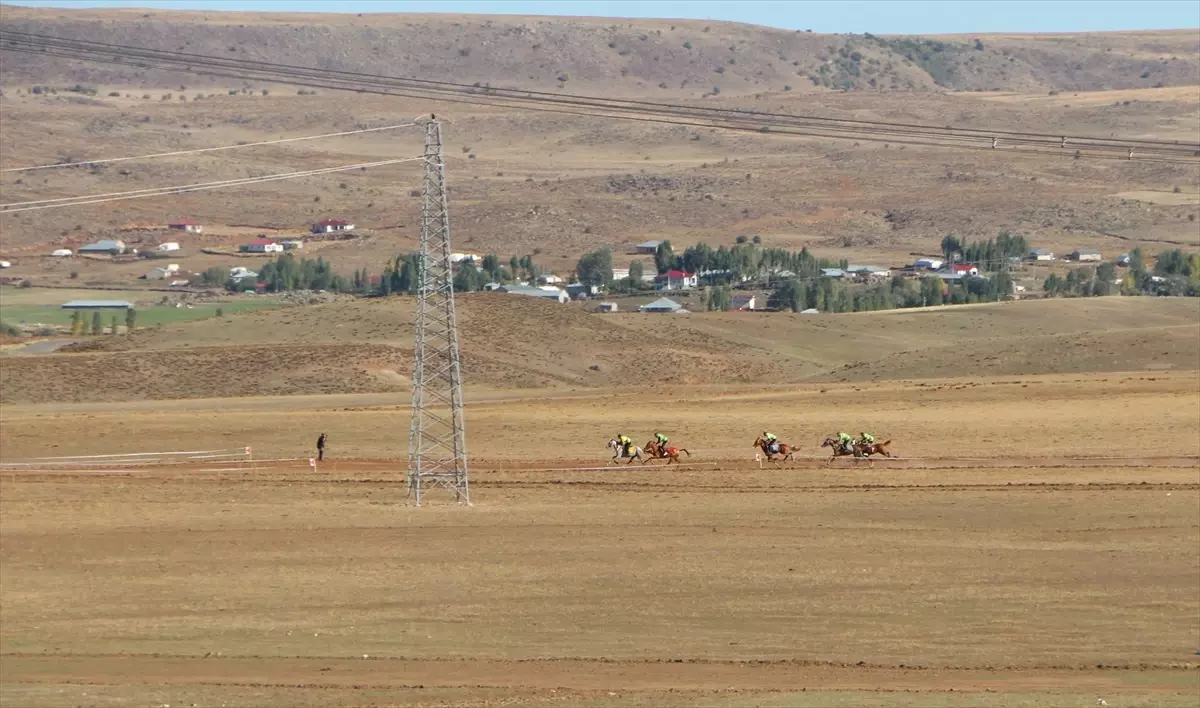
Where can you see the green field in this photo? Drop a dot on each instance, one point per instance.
(43, 306)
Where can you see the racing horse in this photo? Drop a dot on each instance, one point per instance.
(619, 452)
(671, 454)
(784, 449)
(840, 451)
(875, 449)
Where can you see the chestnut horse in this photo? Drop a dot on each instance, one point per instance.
(671, 454)
(784, 449)
(839, 450)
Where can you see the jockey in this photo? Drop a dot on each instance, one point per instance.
(662, 442)
(770, 439)
(626, 443)
(866, 439)
(846, 441)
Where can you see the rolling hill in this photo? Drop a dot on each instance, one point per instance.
(512, 342)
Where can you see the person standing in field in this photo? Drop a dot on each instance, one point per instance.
(321, 447)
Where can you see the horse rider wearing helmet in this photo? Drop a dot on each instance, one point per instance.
(866, 439)
(846, 441)
(772, 444)
(626, 444)
(662, 442)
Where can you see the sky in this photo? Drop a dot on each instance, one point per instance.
(827, 16)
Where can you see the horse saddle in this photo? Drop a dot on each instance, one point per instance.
(774, 447)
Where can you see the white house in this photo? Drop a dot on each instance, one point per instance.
(5, 264)
(1085, 254)
(549, 279)
(240, 272)
(61, 252)
(168, 246)
(546, 293)
(292, 244)
(607, 307)
(467, 257)
(1041, 254)
(189, 225)
(162, 272)
(331, 225)
(676, 280)
(963, 269)
(928, 263)
(263, 245)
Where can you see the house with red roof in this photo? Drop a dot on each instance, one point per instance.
(327, 226)
(963, 269)
(676, 280)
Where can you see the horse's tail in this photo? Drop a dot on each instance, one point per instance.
(684, 450)
(884, 444)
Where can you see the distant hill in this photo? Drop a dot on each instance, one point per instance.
(514, 342)
(619, 57)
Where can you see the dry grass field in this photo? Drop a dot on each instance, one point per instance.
(1034, 546)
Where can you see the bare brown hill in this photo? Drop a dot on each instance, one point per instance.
(627, 57)
(512, 342)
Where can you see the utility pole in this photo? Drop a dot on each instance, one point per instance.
(437, 443)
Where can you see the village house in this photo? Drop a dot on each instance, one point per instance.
(1085, 254)
(1041, 254)
(189, 225)
(162, 272)
(676, 280)
(168, 246)
(110, 246)
(928, 263)
(292, 244)
(548, 293)
(647, 248)
(963, 269)
(262, 245)
(328, 226)
(663, 305)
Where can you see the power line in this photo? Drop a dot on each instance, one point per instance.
(576, 104)
(182, 189)
(209, 149)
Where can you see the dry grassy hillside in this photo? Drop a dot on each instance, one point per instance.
(515, 342)
(664, 57)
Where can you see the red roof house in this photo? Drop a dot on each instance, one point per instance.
(330, 225)
(186, 225)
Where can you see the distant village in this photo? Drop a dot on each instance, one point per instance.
(549, 286)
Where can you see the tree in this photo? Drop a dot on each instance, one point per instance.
(790, 295)
(664, 257)
(76, 323)
(131, 319)
(636, 273)
(932, 290)
(468, 278)
(215, 276)
(719, 298)
(595, 268)
(97, 323)
(950, 247)
(1053, 285)
(113, 330)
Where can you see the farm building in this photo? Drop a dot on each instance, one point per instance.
(963, 269)
(662, 305)
(675, 280)
(465, 257)
(241, 272)
(61, 252)
(189, 225)
(742, 303)
(5, 264)
(97, 305)
(549, 279)
(1123, 259)
(607, 307)
(292, 244)
(262, 245)
(833, 273)
(928, 263)
(648, 248)
(545, 293)
(331, 225)
(1085, 254)
(1041, 254)
(168, 246)
(162, 272)
(108, 245)
(579, 290)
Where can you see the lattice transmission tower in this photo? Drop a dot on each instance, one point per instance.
(437, 441)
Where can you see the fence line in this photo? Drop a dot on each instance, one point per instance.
(167, 457)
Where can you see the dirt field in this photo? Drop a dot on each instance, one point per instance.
(1048, 562)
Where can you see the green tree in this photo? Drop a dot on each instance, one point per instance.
(1053, 285)
(113, 330)
(951, 246)
(76, 323)
(789, 295)
(215, 276)
(595, 268)
(719, 298)
(97, 323)
(636, 273)
(932, 289)
(131, 319)
(468, 278)
(664, 257)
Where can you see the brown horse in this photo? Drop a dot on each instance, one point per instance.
(670, 454)
(839, 451)
(875, 449)
(785, 450)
